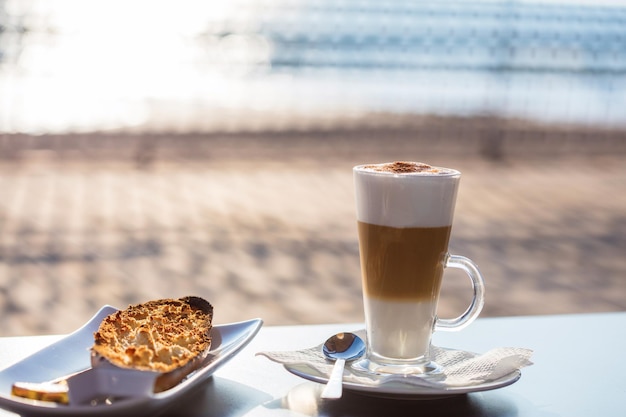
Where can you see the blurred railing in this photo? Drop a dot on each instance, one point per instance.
(452, 35)
(72, 66)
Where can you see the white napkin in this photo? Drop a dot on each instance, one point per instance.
(460, 368)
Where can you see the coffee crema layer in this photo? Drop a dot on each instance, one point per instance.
(402, 263)
(406, 167)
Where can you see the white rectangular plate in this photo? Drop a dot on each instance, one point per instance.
(71, 354)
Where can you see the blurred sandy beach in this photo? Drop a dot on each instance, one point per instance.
(262, 223)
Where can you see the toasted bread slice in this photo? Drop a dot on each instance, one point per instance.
(168, 336)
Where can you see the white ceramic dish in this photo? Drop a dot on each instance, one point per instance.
(71, 354)
(395, 388)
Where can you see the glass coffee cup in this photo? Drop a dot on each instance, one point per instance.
(404, 215)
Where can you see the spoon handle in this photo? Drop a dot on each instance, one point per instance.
(334, 386)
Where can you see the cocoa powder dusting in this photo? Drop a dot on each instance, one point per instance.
(402, 167)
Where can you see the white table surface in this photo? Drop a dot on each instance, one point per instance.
(579, 370)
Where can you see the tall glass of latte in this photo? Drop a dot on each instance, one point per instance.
(404, 214)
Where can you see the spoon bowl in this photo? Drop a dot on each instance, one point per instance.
(341, 347)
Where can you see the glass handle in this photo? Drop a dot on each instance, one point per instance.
(478, 284)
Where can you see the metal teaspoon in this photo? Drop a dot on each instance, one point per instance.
(340, 348)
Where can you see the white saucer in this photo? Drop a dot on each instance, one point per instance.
(71, 354)
(396, 387)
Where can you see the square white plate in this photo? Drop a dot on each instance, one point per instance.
(71, 354)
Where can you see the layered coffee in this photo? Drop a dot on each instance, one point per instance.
(404, 254)
(404, 213)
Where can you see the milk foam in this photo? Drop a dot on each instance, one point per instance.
(399, 329)
(408, 199)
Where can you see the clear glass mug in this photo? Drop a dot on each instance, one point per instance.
(404, 216)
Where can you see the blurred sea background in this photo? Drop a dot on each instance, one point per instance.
(100, 65)
(157, 149)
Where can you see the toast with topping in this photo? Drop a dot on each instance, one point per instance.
(168, 336)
